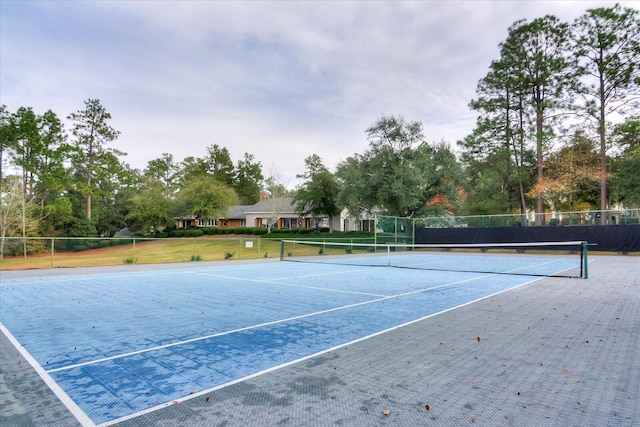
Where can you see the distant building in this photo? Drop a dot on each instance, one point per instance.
(277, 213)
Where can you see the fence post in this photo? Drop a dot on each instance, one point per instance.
(413, 231)
(375, 229)
(52, 243)
(395, 230)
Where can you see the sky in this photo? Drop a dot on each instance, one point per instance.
(280, 80)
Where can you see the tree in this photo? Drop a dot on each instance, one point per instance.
(7, 130)
(191, 169)
(92, 134)
(206, 198)
(53, 178)
(540, 63)
(115, 184)
(150, 208)
(58, 217)
(219, 164)
(572, 174)
(318, 195)
(607, 42)
(400, 173)
(276, 187)
(499, 141)
(26, 146)
(17, 213)
(37, 147)
(165, 171)
(625, 185)
(248, 179)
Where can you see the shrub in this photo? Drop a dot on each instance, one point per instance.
(177, 233)
(228, 255)
(130, 260)
(196, 257)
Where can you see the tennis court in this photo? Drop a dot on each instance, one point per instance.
(119, 345)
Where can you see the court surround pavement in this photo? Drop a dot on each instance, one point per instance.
(555, 352)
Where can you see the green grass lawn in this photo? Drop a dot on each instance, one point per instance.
(150, 252)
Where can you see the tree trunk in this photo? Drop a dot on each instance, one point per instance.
(539, 140)
(603, 156)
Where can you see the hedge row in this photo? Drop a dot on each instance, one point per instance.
(197, 232)
(256, 231)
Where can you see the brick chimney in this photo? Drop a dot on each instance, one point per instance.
(264, 195)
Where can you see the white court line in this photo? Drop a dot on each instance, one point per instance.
(293, 362)
(274, 322)
(117, 275)
(82, 418)
(278, 282)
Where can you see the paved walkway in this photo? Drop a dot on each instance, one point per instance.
(556, 352)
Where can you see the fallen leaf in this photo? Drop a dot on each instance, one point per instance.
(473, 420)
(386, 411)
(546, 416)
(427, 407)
(207, 399)
(478, 338)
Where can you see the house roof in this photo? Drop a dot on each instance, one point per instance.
(238, 212)
(279, 204)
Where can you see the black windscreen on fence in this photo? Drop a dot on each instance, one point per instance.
(609, 238)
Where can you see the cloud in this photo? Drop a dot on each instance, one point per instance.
(279, 80)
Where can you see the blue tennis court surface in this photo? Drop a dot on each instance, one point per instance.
(123, 344)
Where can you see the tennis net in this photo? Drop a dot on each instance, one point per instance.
(559, 259)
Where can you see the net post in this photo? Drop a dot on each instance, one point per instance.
(585, 263)
(281, 250)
